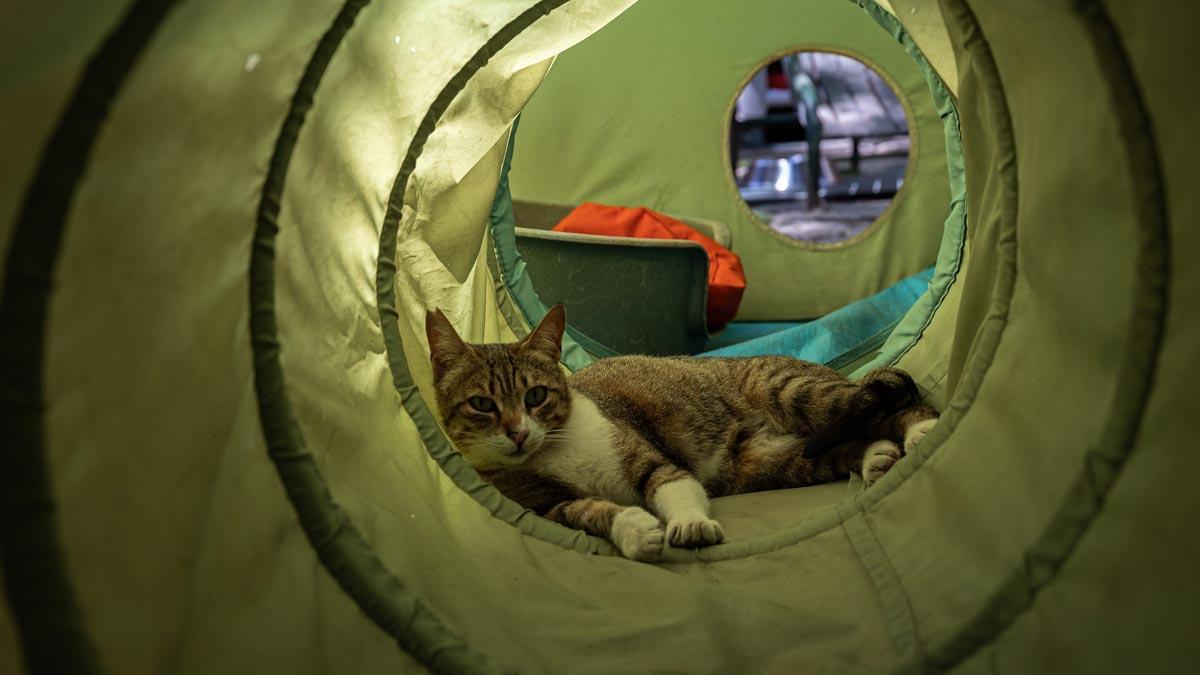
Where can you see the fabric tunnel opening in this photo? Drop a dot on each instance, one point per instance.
(224, 452)
(818, 145)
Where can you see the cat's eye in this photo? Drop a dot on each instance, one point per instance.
(534, 396)
(482, 404)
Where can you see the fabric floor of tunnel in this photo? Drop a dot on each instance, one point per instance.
(224, 222)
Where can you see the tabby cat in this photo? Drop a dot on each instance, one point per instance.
(596, 449)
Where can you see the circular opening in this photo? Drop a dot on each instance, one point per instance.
(819, 144)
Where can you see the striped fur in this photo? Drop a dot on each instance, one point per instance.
(636, 432)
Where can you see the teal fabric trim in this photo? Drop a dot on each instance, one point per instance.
(339, 546)
(37, 581)
(954, 232)
(514, 318)
(842, 335)
(994, 105)
(578, 349)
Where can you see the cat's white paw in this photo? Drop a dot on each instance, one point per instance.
(694, 532)
(879, 458)
(917, 432)
(638, 534)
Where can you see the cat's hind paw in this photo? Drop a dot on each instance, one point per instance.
(916, 433)
(694, 532)
(638, 534)
(879, 458)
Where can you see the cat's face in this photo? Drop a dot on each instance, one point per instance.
(500, 403)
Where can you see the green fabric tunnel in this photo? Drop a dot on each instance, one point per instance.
(223, 222)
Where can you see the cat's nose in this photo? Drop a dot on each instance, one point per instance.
(518, 436)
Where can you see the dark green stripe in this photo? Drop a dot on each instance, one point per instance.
(1136, 370)
(339, 546)
(36, 580)
(988, 337)
(432, 434)
(898, 612)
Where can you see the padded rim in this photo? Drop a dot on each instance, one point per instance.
(514, 317)
(39, 590)
(988, 337)
(1137, 369)
(949, 260)
(954, 232)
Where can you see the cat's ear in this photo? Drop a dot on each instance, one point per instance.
(444, 344)
(547, 337)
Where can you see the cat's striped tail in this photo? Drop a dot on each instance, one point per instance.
(880, 394)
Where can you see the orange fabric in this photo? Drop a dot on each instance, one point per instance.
(726, 280)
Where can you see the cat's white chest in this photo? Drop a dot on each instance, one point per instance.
(584, 456)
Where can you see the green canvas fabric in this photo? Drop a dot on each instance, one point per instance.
(221, 435)
(649, 110)
(1035, 593)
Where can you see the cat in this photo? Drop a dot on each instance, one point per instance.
(629, 443)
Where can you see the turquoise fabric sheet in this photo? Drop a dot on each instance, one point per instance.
(841, 335)
(742, 331)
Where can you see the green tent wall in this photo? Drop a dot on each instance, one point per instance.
(649, 99)
(222, 223)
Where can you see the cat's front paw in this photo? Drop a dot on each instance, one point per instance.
(638, 534)
(879, 458)
(694, 532)
(916, 433)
